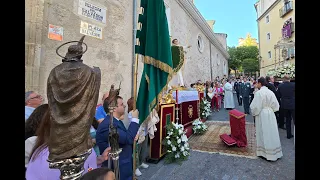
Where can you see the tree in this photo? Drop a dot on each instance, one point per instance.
(246, 52)
(239, 54)
(250, 65)
(234, 62)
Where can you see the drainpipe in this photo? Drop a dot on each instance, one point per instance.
(210, 62)
(134, 21)
(260, 59)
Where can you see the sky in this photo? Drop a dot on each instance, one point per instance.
(236, 18)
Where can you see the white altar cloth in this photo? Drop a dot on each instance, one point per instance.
(186, 96)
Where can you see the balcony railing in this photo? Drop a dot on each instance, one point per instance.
(286, 9)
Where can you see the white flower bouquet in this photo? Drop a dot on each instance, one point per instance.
(288, 69)
(205, 108)
(176, 143)
(199, 127)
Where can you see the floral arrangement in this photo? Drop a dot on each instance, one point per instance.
(205, 108)
(281, 71)
(176, 143)
(199, 127)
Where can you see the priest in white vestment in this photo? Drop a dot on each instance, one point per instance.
(263, 106)
(228, 95)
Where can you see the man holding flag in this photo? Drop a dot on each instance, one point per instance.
(154, 46)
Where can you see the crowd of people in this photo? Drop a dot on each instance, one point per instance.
(272, 104)
(269, 104)
(220, 92)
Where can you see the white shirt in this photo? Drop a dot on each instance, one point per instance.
(27, 112)
(136, 120)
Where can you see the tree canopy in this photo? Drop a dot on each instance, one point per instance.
(241, 53)
(250, 65)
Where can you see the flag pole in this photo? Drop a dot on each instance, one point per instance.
(135, 83)
(134, 108)
(135, 76)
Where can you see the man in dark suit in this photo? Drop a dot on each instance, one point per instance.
(236, 87)
(126, 137)
(245, 89)
(270, 85)
(286, 92)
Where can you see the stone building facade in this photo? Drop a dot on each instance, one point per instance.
(113, 51)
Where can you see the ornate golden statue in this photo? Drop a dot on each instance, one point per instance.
(200, 87)
(168, 98)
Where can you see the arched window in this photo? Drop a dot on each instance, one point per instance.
(200, 44)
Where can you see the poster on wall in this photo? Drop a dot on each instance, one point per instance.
(91, 30)
(55, 32)
(92, 11)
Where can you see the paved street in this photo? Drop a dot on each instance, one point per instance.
(223, 114)
(208, 166)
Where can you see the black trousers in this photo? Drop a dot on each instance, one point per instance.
(251, 98)
(239, 99)
(290, 115)
(280, 117)
(246, 105)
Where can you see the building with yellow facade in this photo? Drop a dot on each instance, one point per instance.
(248, 41)
(276, 34)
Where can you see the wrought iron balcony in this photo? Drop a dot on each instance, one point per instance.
(288, 7)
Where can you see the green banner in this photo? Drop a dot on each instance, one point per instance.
(154, 45)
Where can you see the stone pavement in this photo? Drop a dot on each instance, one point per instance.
(209, 166)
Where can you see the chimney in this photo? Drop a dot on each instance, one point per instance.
(211, 23)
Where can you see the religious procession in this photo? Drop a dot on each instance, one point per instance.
(165, 106)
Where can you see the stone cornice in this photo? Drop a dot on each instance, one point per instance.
(196, 16)
(268, 9)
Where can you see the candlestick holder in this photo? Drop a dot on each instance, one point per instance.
(70, 168)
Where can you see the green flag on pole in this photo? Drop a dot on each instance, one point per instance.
(154, 46)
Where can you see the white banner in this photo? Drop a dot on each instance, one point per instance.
(92, 11)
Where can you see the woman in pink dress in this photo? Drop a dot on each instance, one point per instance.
(220, 91)
(217, 97)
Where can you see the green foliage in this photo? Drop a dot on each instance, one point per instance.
(246, 52)
(250, 65)
(241, 69)
(234, 62)
(239, 54)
